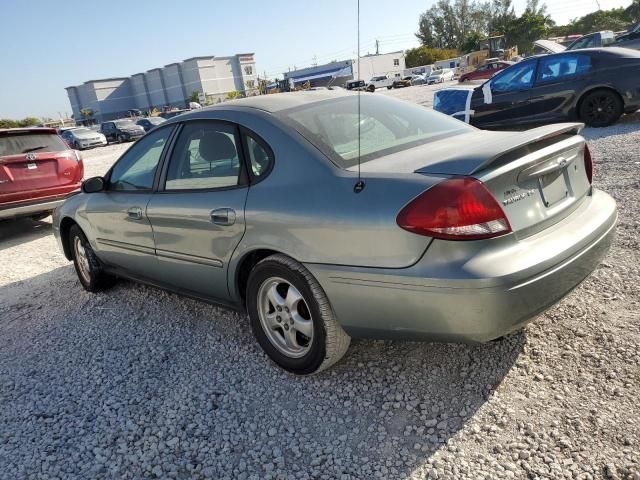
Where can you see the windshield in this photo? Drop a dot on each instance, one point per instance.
(19, 143)
(386, 126)
(81, 130)
(124, 124)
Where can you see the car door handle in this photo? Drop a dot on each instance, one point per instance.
(135, 213)
(223, 216)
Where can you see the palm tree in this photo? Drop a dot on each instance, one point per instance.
(633, 10)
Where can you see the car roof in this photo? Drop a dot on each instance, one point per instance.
(6, 131)
(277, 101)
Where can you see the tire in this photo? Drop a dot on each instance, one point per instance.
(120, 139)
(269, 296)
(393, 86)
(76, 146)
(371, 88)
(88, 267)
(600, 108)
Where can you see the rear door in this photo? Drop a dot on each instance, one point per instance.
(118, 215)
(198, 213)
(558, 79)
(34, 164)
(504, 100)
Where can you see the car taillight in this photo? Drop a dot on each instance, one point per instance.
(588, 164)
(455, 209)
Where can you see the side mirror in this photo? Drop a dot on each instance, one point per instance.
(93, 185)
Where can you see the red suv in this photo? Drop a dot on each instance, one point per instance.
(37, 172)
(485, 71)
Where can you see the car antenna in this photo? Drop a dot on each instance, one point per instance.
(359, 186)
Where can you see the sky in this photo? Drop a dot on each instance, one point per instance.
(52, 45)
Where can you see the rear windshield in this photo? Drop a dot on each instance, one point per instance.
(386, 126)
(18, 143)
(124, 123)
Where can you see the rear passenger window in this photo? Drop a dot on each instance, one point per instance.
(205, 157)
(564, 66)
(260, 158)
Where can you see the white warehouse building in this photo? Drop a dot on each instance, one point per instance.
(171, 86)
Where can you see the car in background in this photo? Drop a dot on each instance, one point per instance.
(630, 39)
(80, 138)
(402, 82)
(419, 79)
(38, 171)
(150, 122)
(440, 76)
(595, 86)
(254, 204)
(547, 47)
(356, 85)
(485, 71)
(379, 81)
(123, 130)
(593, 40)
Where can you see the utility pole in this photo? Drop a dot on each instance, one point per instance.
(315, 61)
(598, 3)
(377, 47)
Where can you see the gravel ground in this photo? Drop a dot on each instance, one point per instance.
(138, 383)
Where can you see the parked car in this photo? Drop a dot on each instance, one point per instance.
(402, 82)
(80, 138)
(440, 76)
(356, 85)
(630, 39)
(37, 172)
(123, 130)
(150, 122)
(419, 80)
(450, 233)
(594, 86)
(485, 71)
(547, 47)
(379, 81)
(593, 40)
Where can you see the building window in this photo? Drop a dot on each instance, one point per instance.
(397, 75)
(248, 70)
(396, 62)
(251, 83)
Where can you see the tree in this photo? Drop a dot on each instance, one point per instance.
(29, 122)
(416, 57)
(194, 97)
(633, 11)
(471, 41)
(616, 19)
(86, 112)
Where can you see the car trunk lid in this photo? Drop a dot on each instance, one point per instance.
(538, 176)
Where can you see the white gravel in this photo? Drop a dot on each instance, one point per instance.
(138, 383)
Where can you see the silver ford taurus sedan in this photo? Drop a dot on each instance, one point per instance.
(450, 233)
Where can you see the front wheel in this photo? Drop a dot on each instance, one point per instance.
(392, 86)
(601, 108)
(120, 139)
(291, 317)
(371, 88)
(88, 267)
(76, 146)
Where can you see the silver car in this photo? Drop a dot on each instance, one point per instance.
(325, 224)
(81, 138)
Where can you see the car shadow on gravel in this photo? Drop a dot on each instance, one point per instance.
(193, 372)
(15, 232)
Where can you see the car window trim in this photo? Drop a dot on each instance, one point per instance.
(107, 176)
(243, 179)
(245, 133)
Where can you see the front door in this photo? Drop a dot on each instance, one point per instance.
(122, 231)
(198, 213)
(505, 98)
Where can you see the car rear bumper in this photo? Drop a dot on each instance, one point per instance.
(32, 208)
(473, 293)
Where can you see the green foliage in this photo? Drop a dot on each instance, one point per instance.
(25, 122)
(416, 57)
(532, 25)
(616, 19)
(471, 42)
(233, 95)
(194, 97)
(633, 11)
(86, 112)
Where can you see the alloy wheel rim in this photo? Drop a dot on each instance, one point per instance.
(285, 317)
(600, 108)
(83, 260)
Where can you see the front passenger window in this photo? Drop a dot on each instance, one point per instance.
(205, 157)
(137, 167)
(516, 77)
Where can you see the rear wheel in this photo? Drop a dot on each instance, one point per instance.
(601, 108)
(120, 139)
(371, 88)
(89, 269)
(291, 317)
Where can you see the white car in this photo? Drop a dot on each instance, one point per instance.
(379, 81)
(80, 138)
(440, 76)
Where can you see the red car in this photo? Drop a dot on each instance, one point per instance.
(37, 172)
(485, 71)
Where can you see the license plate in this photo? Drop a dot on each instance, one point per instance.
(32, 166)
(554, 187)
